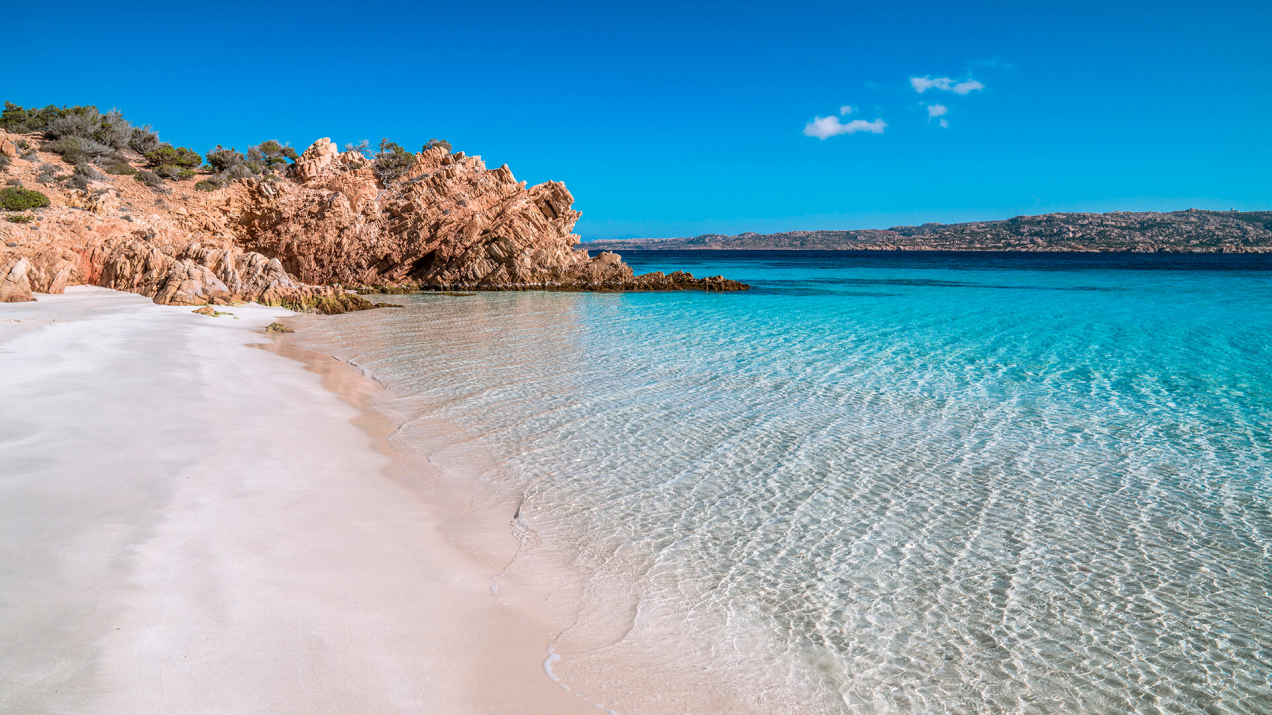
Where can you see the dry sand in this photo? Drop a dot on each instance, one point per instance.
(192, 525)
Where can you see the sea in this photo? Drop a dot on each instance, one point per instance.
(876, 482)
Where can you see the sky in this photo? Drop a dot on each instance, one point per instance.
(678, 119)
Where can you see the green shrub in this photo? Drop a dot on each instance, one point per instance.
(206, 185)
(174, 156)
(17, 120)
(120, 168)
(13, 198)
(19, 218)
(4, 162)
(149, 178)
(13, 182)
(23, 145)
(437, 142)
(391, 161)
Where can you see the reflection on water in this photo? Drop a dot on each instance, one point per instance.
(945, 497)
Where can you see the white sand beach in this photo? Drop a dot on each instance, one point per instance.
(192, 525)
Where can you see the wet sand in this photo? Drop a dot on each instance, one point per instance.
(189, 524)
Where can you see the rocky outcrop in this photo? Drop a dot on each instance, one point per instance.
(15, 283)
(1190, 231)
(449, 222)
(197, 275)
(49, 271)
(296, 239)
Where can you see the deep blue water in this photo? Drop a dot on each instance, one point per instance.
(879, 482)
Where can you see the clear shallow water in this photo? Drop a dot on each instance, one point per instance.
(881, 482)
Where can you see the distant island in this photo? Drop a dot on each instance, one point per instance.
(1190, 231)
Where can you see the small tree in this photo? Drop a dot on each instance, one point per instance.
(363, 147)
(438, 142)
(391, 161)
(276, 155)
(221, 159)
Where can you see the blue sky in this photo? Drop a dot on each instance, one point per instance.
(682, 119)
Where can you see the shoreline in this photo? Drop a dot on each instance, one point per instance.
(301, 564)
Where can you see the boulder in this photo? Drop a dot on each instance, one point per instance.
(15, 286)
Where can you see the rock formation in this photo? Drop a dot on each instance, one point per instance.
(449, 222)
(300, 238)
(1190, 231)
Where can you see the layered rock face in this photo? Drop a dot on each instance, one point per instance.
(449, 222)
(1190, 231)
(295, 240)
(207, 276)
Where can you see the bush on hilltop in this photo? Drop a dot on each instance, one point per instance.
(391, 161)
(168, 155)
(221, 159)
(143, 140)
(437, 142)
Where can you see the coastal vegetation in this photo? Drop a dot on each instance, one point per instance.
(391, 161)
(288, 228)
(16, 198)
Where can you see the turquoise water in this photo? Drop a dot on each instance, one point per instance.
(881, 482)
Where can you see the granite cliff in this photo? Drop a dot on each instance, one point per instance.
(1190, 231)
(301, 236)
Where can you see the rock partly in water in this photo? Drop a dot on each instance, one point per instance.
(448, 222)
(293, 240)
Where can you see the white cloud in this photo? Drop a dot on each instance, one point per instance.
(922, 84)
(826, 127)
(845, 110)
(945, 124)
(937, 110)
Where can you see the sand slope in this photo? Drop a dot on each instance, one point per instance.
(191, 525)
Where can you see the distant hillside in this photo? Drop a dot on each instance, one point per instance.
(1191, 231)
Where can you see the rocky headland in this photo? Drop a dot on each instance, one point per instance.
(1191, 231)
(86, 202)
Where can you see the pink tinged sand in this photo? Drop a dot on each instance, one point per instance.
(190, 524)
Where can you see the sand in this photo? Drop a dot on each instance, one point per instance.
(190, 524)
